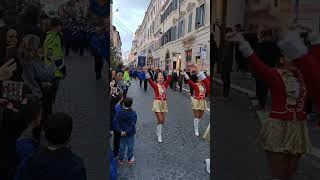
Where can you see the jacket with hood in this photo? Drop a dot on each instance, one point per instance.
(125, 120)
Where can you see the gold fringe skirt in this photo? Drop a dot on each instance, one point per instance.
(289, 137)
(160, 106)
(198, 104)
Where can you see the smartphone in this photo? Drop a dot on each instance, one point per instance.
(10, 52)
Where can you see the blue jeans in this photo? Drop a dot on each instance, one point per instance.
(124, 142)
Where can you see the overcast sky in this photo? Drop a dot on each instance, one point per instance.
(127, 16)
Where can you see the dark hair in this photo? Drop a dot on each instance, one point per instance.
(31, 14)
(58, 128)
(128, 101)
(229, 30)
(55, 22)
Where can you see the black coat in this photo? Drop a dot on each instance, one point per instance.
(60, 164)
(269, 53)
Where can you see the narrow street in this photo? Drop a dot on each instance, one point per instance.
(84, 98)
(181, 155)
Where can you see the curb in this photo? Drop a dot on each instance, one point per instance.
(262, 115)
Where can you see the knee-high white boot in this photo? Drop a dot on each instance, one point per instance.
(159, 131)
(196, 126)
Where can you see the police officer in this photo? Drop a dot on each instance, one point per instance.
(53, 52)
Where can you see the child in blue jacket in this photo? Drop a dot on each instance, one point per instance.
(125, 123)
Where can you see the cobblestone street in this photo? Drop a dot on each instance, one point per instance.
(81, 96)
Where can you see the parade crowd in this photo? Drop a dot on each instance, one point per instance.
(35, 140)
(284, 62)
(123, 118)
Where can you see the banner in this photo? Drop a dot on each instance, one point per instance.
(141, 61)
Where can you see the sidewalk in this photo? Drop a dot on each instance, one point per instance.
(245, 83)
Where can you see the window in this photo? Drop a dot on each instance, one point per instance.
(190, 23)
(172, 6)
(174, 33)
(200, 15)
(181, 29)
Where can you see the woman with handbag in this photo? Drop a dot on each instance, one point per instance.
(160, 106)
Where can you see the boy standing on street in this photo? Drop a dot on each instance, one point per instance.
(125, 121)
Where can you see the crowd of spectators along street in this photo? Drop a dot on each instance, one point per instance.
(32, 67)
(265, 45)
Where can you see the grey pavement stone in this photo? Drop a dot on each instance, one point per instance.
(81, 96)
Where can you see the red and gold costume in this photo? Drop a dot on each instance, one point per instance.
(286, 129)
(199, 98)
(160, 90)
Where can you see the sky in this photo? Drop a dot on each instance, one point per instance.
(127, 16)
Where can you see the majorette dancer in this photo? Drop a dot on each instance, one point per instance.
(199, 104)
(160, 106)
(284, 136)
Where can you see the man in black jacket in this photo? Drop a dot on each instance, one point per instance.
(269, 53)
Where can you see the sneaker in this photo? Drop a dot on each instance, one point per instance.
(131, 161)
(120, 162)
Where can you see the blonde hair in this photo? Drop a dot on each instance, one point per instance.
(28, 48)
(119, 76)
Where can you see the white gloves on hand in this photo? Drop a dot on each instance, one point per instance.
(147, 75)
(314, 38)
(186, 76)
(293, 46)
(201, 76)
(244, 46)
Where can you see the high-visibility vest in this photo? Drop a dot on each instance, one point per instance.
(53, 53)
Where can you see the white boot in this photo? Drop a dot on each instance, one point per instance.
(196, 126)
(159, 129)
(207, 162)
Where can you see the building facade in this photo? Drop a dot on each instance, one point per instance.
(116, 43)
(175, 34)
(307, 12)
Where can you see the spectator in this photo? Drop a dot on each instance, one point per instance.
(181, 79)
(269, 53)
(117, 105)
(34, 70)
(175, 79)
(227, 64)
(29, 22)
(56, 161)
(125, 123)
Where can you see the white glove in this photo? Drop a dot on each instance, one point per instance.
(201, 76)
(186, 76)
(293, 46)
(244, 46)
(208, 73)
(314, 38)
(170, 72)
(147, 75)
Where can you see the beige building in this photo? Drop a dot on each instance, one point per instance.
(306, 12)
(116, 42)
(175, 34)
